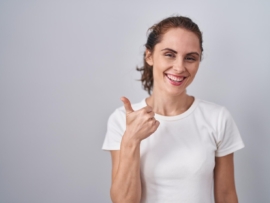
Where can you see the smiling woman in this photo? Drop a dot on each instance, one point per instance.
(176, 61)
(171, 146)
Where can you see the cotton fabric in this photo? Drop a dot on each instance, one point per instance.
(178, 159)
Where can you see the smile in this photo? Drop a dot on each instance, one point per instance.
(175, 80)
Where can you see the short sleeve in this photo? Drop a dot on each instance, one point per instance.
(229, 138)
(115, 130)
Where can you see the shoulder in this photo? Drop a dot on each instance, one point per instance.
(208, 107)
(212, 111)
(203, 104)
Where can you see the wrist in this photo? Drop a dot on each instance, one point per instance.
(130, 140)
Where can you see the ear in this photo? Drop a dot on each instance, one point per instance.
(148, 57)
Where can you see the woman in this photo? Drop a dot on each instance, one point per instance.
(172, 147)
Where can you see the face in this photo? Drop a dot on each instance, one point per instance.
(175, 61)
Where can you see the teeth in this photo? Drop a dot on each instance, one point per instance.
(176, 79)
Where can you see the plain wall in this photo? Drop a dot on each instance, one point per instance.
(65, 64)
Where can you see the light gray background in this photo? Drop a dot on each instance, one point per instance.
(65, 64)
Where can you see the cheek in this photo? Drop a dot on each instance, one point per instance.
(160, 68)
(158, 72)
(158, 75)
(193, 69)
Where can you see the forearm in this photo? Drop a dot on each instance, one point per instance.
(224, 186)
(226, 197)
(126, 185)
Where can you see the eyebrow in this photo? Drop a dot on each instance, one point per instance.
(170, 50)
(176, 51)
(194, 53)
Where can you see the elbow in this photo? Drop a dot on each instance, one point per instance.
(116, 197)
(120, 196)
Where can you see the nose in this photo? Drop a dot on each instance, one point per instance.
(179, 66)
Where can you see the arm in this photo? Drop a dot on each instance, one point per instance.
(224, 186)
(126, 181)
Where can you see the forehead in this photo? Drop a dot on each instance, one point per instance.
(181, 40)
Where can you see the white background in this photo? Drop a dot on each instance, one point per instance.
(65, 64)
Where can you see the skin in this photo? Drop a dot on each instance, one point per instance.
(126, 181)
(177, 54)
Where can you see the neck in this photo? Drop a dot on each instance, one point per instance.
(169, 105)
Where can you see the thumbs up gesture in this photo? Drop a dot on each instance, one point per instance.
(139, 124)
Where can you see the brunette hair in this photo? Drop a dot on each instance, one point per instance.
(155, 36)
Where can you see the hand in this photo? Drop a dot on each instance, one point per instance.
(139, 124)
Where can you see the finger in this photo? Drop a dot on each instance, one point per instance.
(150, 116)
(127, 105)
(148, 109)
(156, 124)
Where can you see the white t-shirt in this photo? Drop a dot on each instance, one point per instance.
(177, 160)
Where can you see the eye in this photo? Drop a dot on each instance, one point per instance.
(190, 58)
(169, 54)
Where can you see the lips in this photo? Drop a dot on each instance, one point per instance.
(175, 79)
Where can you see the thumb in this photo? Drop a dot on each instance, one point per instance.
(127, 105)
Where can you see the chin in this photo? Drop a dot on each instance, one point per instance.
(174, 93)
